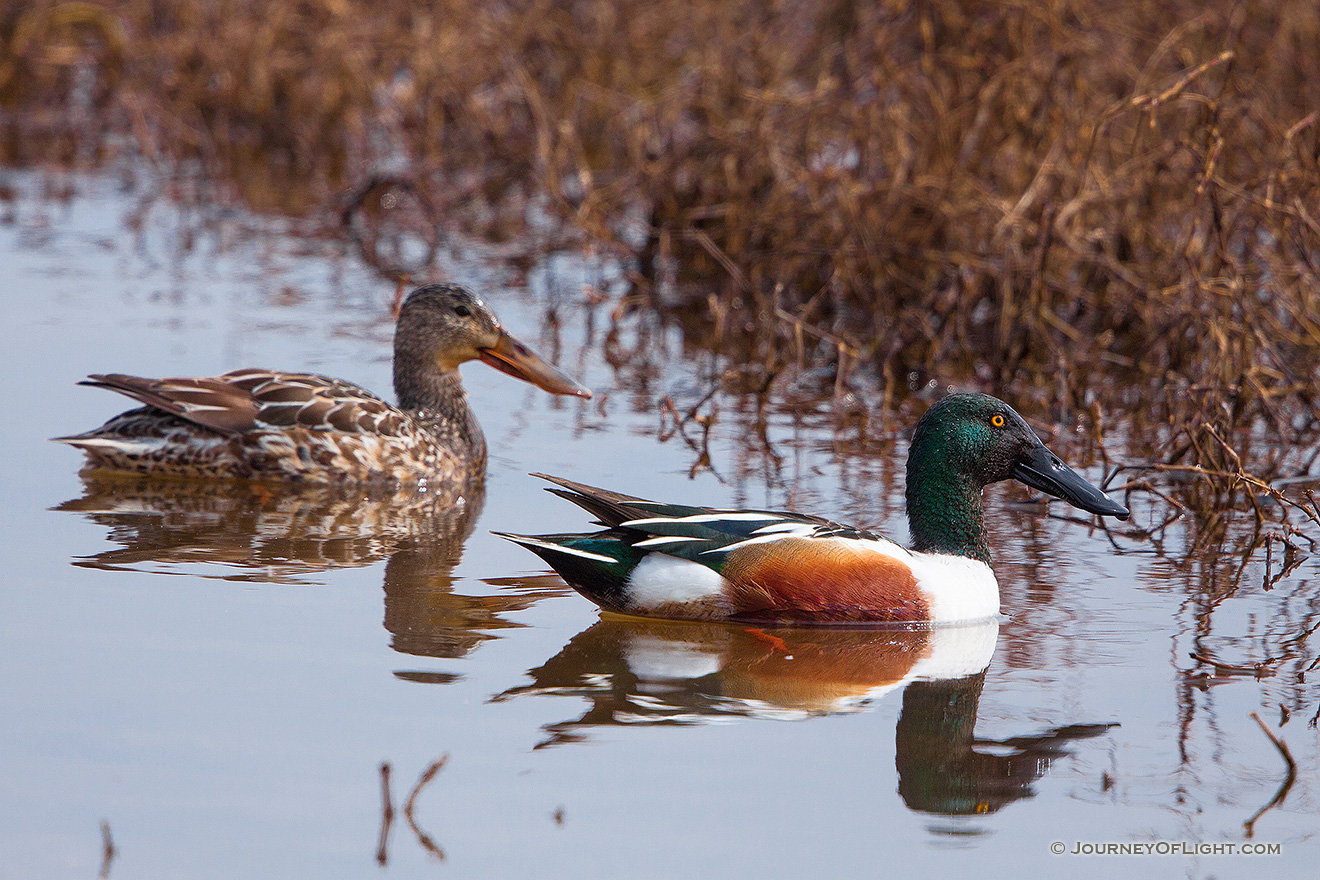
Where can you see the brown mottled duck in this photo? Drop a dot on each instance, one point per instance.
(269, 424)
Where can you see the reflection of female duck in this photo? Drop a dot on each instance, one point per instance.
(258, 534)
(250, 533)
(298, 426)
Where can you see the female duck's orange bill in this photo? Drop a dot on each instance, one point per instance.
(512, 357)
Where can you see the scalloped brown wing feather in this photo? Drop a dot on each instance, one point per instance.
(286, 400)
(211, 402)
(247, 400)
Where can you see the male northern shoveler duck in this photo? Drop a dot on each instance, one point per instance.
(670, 560)
(267, 424)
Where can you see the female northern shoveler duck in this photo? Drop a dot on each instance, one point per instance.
(267, 424)
(668, 560)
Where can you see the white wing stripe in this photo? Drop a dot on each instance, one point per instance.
(803, 529)
(667, 539)
(764, 539)
(571, 551)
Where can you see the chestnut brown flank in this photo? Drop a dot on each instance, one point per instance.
(821, 580)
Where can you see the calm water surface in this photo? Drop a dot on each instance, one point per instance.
(219, 672)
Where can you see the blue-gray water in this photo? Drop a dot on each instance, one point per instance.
(219, 675)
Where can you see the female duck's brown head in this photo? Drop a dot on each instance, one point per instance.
(443, 325)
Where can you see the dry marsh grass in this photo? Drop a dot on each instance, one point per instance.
(1107, 212)
(1091, 207)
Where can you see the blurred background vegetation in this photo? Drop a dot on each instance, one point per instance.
(1109, 210)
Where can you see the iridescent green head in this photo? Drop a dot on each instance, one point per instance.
(962, 444)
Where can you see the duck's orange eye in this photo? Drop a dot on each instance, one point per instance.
(997, 420)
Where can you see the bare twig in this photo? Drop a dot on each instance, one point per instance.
(1249, 826)
(108, 850)
(1257, 670)
(386, 816)
(425, 779)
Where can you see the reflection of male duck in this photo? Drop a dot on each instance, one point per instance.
(943, 768)
(639, 670)
(241, 530)
(642, 671)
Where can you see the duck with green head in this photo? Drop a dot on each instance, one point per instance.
(670, 560)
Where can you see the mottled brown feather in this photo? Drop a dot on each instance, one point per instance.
(273, 392)
(314, 413)
(224, 408)
(821, 580)
(263, 423)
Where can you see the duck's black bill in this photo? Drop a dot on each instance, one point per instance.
(1042, 469)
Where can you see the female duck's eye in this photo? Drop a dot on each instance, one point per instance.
(462, 311)
(997, 420)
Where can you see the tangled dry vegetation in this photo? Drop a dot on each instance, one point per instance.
(1091, 206)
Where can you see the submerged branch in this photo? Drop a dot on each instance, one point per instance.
(1249, 826)
(424, 780)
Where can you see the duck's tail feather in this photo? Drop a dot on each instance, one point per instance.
(210, 402)
(597, 566)
(609, 508)
(613, 509)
